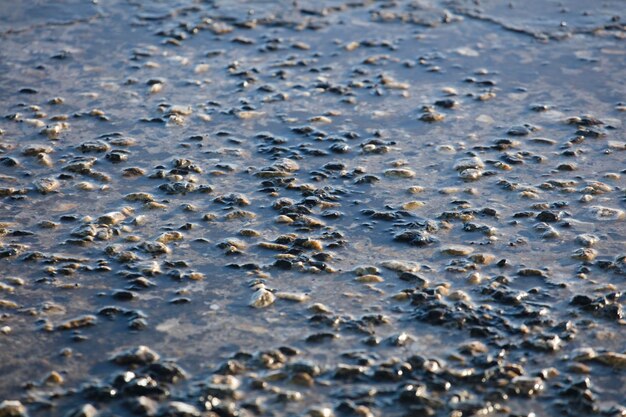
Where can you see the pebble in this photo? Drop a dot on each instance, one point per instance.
(141, 355)
(111, 218)
(320, 309)
(178, 409)
(606, 213)
(587, 240)
(400, 173)
(473, 163)
(400, 266)
(320, 412)
(12, 408)
(46, 185)
(262, 298)
(53, 378)
(78, 322)
(585, 254)
(457, 250)
(369, 279)
(292, 296)
(86, 410)
(527, 386)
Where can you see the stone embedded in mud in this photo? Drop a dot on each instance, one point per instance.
(473, 348)
(142, 405)
(142, 197)
(8, 304)
(365, 270)
(482, 258)
(369, 279)
(46, 185)
(292, 296)
(168, 237)
(53, 378)
(518, 130)
(400, 173)
(469, 163)
(607, 213)
(613, 359)
(86, 410)
(587, 240)
(549, 216)
(178, 409)
(141, 355)
(12, 408)
(457, 250)
(415, 237)
(431, 116)
(401, 266)
(262, 298)
(319, 308)
(78, 322)
(418, 281)
(585, 254)
(470, 174)
(320, 412)
(111, 218)
(526, 385)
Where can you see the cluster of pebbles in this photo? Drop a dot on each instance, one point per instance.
(352, 208)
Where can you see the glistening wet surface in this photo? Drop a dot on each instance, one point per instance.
(287, 208)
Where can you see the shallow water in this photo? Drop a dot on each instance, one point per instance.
(526, 155)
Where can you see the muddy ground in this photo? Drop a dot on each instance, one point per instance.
(288, 208)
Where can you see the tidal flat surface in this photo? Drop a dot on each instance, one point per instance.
(312, 208)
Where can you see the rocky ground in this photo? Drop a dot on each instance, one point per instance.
(297, 208)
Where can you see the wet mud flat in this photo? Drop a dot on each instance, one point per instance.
(298, 208)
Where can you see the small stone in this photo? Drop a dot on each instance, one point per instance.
(141, 355)
(474, 348)
(365, 270)
(457, 250)
(320, 412)
(46, 185)
(614, 359)
(579, 368)
(482, 258)
(12, 408)
(178, 409)
(400, 173)
(470, 174)
(526, 385)
(78, 322)
(585, 254)
(319, 308)
(607, 213)
(518, 131)
(303, 379)
(54, 378)
(292, 296)
(401, 266)
(587, 240)
(549, 216)
(262, 298)
(469, 163)
(86, 410)
(413, 205)
(111, 218)
(369, 279)
(143, 197)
